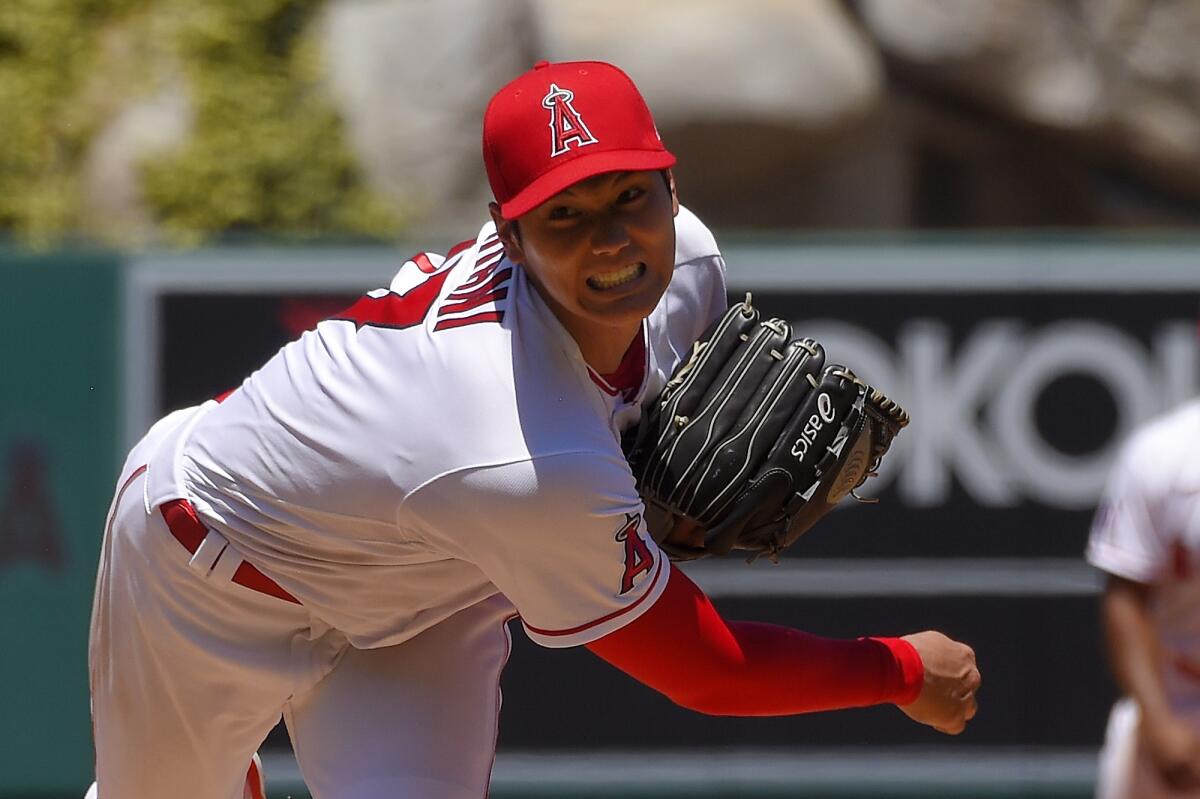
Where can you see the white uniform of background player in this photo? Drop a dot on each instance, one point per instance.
(1147, 537)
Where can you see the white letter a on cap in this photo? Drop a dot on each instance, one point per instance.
(566, 125)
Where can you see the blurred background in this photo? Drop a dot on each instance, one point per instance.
(988, 207)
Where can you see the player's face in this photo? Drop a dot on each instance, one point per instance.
(601, 253)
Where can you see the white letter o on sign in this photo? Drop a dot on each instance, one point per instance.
(1113, 358)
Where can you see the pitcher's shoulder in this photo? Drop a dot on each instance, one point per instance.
(693, 239)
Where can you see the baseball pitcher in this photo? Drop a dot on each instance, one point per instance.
(343, 538)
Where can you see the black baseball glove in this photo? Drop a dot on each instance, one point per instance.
(754, 438)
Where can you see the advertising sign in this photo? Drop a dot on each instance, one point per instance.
(1024, 364)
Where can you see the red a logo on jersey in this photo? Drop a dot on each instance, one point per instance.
(566, 125)
(638, 557)
(1181, 568)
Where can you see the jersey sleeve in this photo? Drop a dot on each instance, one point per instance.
(699, 282)
(1127, 538)
(695, 298)
(562, 537)
(684, 649)
(701, 290)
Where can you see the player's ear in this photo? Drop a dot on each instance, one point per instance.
(669, 176)
(509, 235)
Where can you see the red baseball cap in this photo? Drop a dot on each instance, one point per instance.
(561, 123)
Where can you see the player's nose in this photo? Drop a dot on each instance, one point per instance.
(609, 237)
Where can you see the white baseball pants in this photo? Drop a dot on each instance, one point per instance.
(189, 672)
(1125, 770)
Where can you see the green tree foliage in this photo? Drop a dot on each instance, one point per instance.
(46, 50)
(265, 153)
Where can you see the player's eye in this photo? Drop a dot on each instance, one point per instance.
(559, 212)
(631, 194)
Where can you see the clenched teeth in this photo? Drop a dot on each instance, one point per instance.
(610, 280)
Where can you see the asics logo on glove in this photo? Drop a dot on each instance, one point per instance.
(824, 415)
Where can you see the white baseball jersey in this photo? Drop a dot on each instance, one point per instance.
(1148, 530)
(442, 442)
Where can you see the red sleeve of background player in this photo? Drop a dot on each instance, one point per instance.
(682, 648)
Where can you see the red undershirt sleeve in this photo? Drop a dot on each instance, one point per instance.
(682, 648)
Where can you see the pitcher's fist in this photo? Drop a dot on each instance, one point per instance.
(947, 698)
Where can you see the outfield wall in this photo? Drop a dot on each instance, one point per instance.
(58, 457)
